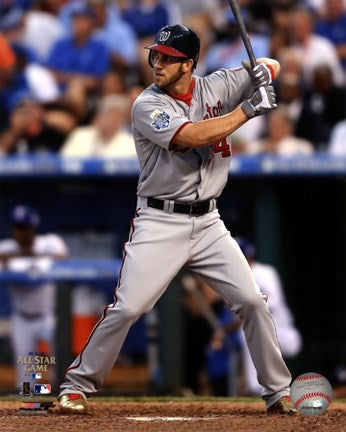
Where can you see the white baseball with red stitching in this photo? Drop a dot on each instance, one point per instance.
(311, 394)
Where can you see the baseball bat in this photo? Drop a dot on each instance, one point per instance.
(243, 33)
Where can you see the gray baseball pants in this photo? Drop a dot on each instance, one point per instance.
(160, 243)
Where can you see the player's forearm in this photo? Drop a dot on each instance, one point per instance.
(273, 64)
(206, 132)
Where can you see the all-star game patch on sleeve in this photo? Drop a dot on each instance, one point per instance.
(158, 123)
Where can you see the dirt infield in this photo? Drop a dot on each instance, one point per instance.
(172, 417)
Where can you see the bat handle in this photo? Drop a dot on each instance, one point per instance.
(252, 60)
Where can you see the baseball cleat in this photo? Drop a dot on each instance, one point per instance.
(73, 403)
(282, 406)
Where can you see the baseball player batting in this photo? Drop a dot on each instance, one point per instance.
(182, 125)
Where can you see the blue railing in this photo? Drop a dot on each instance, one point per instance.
(72, 270)
(266, 165)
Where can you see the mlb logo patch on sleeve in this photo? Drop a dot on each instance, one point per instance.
(160, 120)
(43, 389)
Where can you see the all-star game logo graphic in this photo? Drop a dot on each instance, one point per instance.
(36, 363)
(160, 120)
(36, 367)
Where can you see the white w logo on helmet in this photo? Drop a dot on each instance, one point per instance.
(164, 36)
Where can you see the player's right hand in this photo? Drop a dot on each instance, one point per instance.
(260, 75)
(262, 101)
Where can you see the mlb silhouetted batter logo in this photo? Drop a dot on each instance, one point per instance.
(42, 389)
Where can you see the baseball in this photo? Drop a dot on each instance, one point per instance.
(311, 394)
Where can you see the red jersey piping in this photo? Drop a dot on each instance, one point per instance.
(176, 133)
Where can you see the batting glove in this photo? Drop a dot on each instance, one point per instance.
(260, 75)
(262, 101)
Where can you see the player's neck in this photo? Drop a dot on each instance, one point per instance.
(180, 87)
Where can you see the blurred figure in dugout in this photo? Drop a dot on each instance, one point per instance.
(217, 338)
(212, 341)
(268, 281)
(33, 315)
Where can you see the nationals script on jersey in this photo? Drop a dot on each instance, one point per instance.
(186, 175)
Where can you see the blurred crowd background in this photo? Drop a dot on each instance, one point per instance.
(69, 73)
(70, 70)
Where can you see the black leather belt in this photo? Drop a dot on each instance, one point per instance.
(197, 209)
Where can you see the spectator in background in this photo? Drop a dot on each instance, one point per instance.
(229, 51)
(323, 107)
(80, 61)
(190, 10)
(33, 306)
(27, 75)
(132, 94)
(280, 26)
(7, 64)
(7, 60)
(289, 86)
(313, 50)
(12, 25)
(5, 5)
(37, 80)
(110, 29)
(106, 137)
(201, 23)
(337, 144)
(113, 83)
(115, 33)
(146, 17)
(332, 26)
(42, 28)
(33, 130)
(79, 56)
(280, 139)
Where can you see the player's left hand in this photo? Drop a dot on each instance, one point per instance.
(262, 101)
(260, 75)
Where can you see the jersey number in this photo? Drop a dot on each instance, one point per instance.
(223, 148)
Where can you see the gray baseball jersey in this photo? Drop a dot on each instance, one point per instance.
(178, 174)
